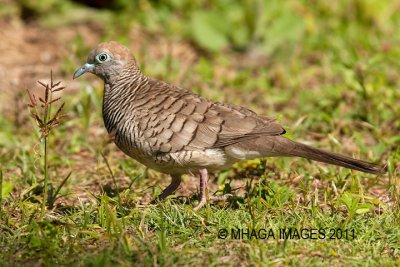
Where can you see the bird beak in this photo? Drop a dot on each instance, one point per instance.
(85, 68)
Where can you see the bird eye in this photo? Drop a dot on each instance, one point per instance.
(102, 57)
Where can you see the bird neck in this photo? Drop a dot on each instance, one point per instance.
(119, 92)
(124, 82)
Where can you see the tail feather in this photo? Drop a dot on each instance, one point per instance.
(281, 146)
(309, 152)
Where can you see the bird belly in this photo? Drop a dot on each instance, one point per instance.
(211, 159)
(137, 147)
(239, 153)
(182, 162)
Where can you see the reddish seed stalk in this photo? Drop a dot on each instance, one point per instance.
(46, 122)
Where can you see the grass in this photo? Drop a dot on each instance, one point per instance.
(328, 72)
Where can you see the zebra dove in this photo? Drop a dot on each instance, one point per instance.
(176, 132)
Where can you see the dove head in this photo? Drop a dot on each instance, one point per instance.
(108, 60)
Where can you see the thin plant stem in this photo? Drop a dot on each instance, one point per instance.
(45, 169)
(1, 193)
(54, 196)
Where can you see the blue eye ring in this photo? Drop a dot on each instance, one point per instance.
(102, 57)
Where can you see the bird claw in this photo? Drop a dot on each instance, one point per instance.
(220, 198)
(201, 204)
(215, 198)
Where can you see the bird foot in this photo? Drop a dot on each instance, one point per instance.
(175, 182)
(203, 186)
(220, 198)
(201, 204)
(203, 201)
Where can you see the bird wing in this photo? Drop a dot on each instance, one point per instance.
(175, 120)
(240, 124)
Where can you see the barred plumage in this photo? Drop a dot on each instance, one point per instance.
(175, 131)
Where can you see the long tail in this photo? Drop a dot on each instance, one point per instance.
(309, 152)
(281, 146)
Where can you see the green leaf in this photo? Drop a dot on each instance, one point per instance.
(6, 190)
(364, 208)
(286, 27)
(223, 175)
(209, 30)
(362, 211)
(288, 136)
(349, 201)
(34, 241)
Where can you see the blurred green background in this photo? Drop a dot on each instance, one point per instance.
(330, 56)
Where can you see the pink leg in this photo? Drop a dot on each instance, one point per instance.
(203, 187)
(176, 181)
